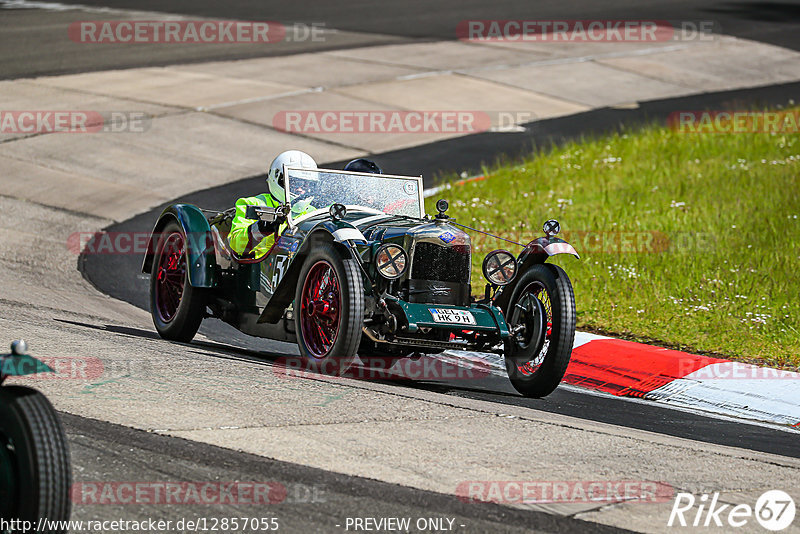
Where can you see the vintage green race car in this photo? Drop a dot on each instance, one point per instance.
(360, 269)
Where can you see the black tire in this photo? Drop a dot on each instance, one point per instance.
(35, 457)
(536, 366)
(183, 323)
(338, 357)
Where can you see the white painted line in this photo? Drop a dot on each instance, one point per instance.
(685, 409)
(775, 397)
(56, 6)
(260, 99)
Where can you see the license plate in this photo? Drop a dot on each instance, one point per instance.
(452, 316)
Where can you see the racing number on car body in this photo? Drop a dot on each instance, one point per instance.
(280, 267)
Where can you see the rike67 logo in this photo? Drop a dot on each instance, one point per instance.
(774, 510)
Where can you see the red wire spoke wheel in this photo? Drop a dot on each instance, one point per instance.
(170, 277)
(319, 309)
(329, 310)
(176, 306)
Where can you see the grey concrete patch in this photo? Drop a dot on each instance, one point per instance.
(724, 64)
(577, 82)
(456, 92)
(124, 173)
(442, 55)
(167, 86)
(326, 69)
(268, 113)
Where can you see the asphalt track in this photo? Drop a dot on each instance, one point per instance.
(314, 500)
(119, 275)
(771, 22)
(26, 34)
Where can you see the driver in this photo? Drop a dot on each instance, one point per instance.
(255, 236)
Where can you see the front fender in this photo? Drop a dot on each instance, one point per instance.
(537, 251)
(200, 244)
(341, 233)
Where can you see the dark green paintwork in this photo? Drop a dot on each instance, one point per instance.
(200, 249)
(487, 319)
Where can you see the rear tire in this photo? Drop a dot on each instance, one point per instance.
(34, 460)
(536, 366)
(177, 307)
(329, 311)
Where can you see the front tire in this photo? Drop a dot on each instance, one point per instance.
(177, 307)
(34, 458)
(329, 311)
(538, 351)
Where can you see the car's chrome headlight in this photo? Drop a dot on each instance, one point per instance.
(500, 267)
(391, 261)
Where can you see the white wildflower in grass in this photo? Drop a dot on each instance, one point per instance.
(675, 204)
(622, 270)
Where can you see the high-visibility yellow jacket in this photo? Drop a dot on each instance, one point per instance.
(241, 238)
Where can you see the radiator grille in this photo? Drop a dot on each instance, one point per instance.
(441, 263)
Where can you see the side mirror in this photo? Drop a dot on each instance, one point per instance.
(251, 213)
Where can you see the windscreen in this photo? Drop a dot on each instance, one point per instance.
(309, 190)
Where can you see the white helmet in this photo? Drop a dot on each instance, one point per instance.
(290, 158)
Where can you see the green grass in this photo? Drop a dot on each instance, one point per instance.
(722, 274)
